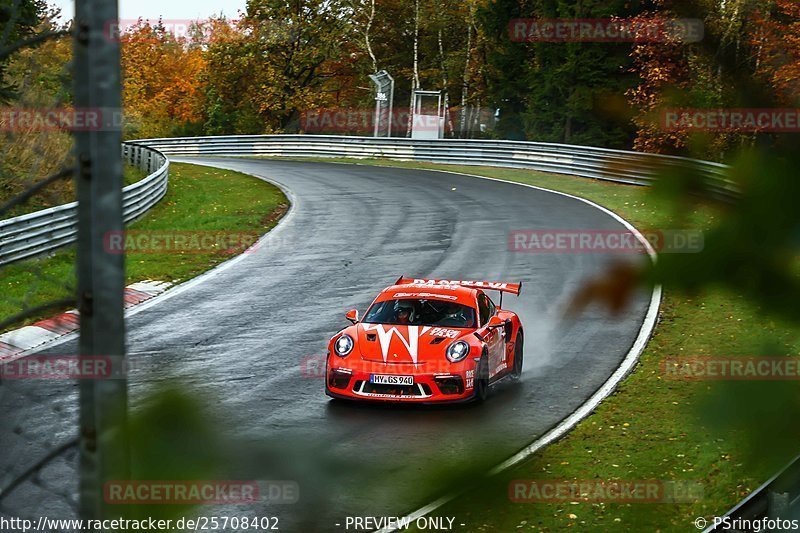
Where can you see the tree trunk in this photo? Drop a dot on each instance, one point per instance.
(465, 79)
(367, 37)
(445, 84)
(415, 77)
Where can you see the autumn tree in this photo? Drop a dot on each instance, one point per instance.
(230, 81)
(775, 40)
(297, 48)
(665, 74)
(761, 40)
(162, 87)
(37, 78)
(19, 21)
(452, 61)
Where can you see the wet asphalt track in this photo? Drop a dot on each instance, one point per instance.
(239, 339)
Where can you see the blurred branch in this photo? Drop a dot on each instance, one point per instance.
(31, 41)
(33, 190)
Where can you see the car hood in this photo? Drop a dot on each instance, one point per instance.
(392, 343)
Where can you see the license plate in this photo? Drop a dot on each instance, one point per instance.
(379, 379)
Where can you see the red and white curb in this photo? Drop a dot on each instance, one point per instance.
(19, 341)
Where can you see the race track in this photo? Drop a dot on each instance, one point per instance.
(240, 338)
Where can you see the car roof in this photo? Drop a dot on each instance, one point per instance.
(453, 293)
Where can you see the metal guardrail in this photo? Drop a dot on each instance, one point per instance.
(36, 233)
(620, 166)
(778, 498)
(40, 232)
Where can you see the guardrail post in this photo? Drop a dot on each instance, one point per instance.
(778, 504)
(104, 454)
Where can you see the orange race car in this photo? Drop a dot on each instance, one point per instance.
(427, 341)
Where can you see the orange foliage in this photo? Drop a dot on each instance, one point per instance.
(664, 69)
(162, 84)
(776, 41)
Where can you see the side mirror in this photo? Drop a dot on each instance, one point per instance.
(495, 322)
(352, 316)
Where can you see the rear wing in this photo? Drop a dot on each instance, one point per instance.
(513, 288)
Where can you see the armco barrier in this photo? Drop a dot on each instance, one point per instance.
(36, 233)
(778, 498)
(599, 163)
(33, 234)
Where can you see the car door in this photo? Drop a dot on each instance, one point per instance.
(495, 341)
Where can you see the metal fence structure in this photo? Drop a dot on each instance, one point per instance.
(36, 233)
(103, 449)
(48, 163)
(619, 166)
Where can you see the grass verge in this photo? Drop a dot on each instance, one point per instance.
(198, 199)
(650, 428)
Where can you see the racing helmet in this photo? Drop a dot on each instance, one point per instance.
(404, 307)
(454, 315)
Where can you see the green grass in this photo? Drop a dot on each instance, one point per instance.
(198, 199)
(649, 429)
(132, 174)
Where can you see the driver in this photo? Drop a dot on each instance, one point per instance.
(404, 312)
(454, 317)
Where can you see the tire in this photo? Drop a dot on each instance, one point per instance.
(482, 379)
(519, 350)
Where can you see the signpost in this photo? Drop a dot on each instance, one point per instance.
(384, 98)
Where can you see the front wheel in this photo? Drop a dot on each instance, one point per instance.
(516, 373)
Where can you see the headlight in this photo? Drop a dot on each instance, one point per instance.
(458, 351)
(343, 345)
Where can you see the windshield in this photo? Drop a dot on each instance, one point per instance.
(421, 312)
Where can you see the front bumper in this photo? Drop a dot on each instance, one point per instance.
(351, 380)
